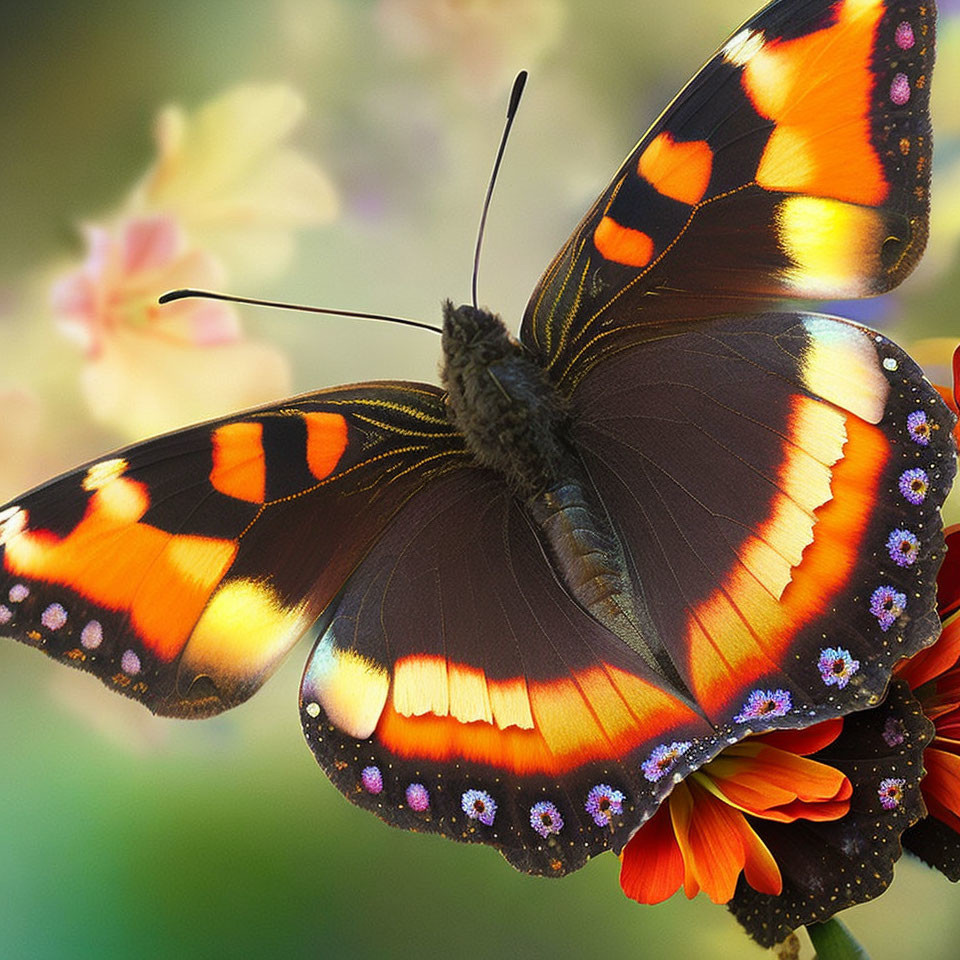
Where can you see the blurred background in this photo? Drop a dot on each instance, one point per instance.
(333, 152)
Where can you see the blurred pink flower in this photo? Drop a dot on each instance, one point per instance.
(151, 368)
(227, 174)
(118, 284)
(486, 39)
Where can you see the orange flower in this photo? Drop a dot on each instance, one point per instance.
(702, 837)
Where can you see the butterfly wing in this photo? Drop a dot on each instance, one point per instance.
(879, 751)
(459, 690)
(795, 164)
(181, 570)
(777, 481)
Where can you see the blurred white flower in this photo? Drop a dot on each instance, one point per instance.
(226, 173)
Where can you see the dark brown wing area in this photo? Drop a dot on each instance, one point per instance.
(795, 164)
(181, 570)
(776, 481)
(459, 690)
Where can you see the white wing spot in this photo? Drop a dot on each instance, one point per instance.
(18, 593)
(92, 635)
(100, 474)
(13, 520)
(130, 663)
(54, 617)
(743, 47)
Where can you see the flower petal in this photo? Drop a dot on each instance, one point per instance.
(760, 868)
(150, 243)
(651, 865)
(804, 742)
(941, 786)
(142, 385)
(941, 656)
(776, 785)
(710, 839)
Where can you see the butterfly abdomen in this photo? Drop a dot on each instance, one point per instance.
(513, 421)
(499, 399)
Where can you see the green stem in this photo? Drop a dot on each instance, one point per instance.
(833, 941)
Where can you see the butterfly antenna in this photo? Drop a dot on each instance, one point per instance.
(511, 113)
(172, 295)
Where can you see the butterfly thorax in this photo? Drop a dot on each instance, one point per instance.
(514, 422)
(500, 400)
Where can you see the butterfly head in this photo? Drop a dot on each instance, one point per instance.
(499, 398)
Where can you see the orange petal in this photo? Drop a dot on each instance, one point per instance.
(651, 866)
(711, 838)
(941, 786)
(760, 869)
(804, 742)
(776, 785)
(947, 394)
(934, 660)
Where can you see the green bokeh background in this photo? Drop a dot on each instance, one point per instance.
(125, 835)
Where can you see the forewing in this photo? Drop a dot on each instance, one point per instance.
(459, 690)
(181, 570)
(795, 164)
(776, 481)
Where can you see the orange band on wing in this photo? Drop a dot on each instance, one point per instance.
(326, 441)
(742, 630)
(680, 171)
(817, 88)
(162, 580)
(596, 714)
(633, 248)
(239, 469)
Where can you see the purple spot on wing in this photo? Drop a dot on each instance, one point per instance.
(919, 427)
(886, 604)
(418, 797)
(914, 485)
(130, 662)
(904, 37)
(603, 804)
(54, 617)
(663, 759)
(891, 792)
(545, 818)
(763, 704)
(900, 89)
(372, 779)
(837, 666)
(903, 547)
(479, 805)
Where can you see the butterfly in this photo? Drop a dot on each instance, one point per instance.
(674, 512)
